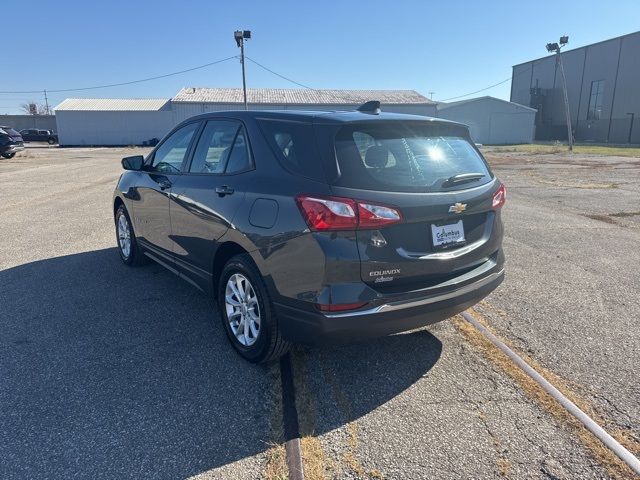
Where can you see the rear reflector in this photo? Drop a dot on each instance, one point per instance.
(499, 197)
(339, 213)
(340, 307)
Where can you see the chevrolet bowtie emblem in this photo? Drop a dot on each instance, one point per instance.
(458, 208)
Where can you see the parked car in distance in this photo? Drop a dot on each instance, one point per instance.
(317, 227)
(35, 135)
(10, 142)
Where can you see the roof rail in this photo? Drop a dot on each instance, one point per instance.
(372, 107)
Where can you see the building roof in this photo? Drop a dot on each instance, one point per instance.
(113, 104)
(444, 106)
(286, 96)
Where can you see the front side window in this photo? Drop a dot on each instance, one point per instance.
(222, 148)
(169, 156)
(595, 100)
(396, 156)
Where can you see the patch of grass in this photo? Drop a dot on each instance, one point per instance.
(543, 149)
(313, 458)
(276, 468)
(616, 467)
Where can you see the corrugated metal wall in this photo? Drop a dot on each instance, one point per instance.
(20, 122)
(111, 128)
(493, 122)
(80, 127)
(616, 62)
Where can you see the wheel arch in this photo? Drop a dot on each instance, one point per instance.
(224, 253)
(116, 204)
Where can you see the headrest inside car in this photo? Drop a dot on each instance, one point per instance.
(377, 156)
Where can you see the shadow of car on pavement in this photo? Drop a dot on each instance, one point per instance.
(108, 371)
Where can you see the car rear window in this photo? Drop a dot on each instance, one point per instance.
(406, 157)
(294, 145)
(9, 131)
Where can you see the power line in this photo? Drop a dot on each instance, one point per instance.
(124, 83)
(477, 91)
(487, 88)
(278, 75)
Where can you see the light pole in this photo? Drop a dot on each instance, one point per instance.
(631, 125)
(555, 47)
(241, 36)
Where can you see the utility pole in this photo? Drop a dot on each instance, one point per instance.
(555, 47)
(240, 36)
(46, 102)
(431, 95)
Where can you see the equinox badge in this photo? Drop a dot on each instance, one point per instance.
(458, 208)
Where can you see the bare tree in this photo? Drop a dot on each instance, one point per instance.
(33, 108)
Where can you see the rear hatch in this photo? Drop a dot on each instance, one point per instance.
(434, 177)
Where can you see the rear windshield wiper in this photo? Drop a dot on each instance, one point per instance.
(462, 178)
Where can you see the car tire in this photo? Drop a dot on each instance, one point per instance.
(9, 155)
(51, 141)
(128, 248)
(243, 310)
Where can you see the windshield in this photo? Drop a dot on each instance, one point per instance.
(407, 158)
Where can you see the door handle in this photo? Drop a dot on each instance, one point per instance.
(164, 184)
(224, 190)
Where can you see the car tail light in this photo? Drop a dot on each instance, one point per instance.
(375, 216)
(339, 307)
(499, 197)
(328, 213)
(339, 213)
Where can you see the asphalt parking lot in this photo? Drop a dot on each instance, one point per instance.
(112, 372)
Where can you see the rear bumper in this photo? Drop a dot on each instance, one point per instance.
(313, 327)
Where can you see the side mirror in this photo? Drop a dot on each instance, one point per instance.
(135, 162)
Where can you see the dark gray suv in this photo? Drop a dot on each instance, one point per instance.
(317, 227)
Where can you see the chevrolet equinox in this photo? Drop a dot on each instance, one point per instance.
(317, 227)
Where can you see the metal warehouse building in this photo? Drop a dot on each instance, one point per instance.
(603, 83)
(492, 121)
(134, 121)
(193, 101)
(111, 121)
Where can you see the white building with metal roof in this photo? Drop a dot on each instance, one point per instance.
(112, 121)
(492, 121)
(193, 100)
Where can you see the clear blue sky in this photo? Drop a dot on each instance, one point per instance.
(450, 48)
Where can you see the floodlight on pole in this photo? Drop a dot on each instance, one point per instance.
(555, 47)
(240, 36)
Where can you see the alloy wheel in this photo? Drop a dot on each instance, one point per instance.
(124, 236)
(243, 310)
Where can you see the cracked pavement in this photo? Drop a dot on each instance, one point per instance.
(571, 297)
(109, 373)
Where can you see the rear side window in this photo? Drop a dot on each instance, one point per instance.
(222, 148)
(294, 145)
(402, 157)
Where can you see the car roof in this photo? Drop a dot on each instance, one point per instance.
(319, 116)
